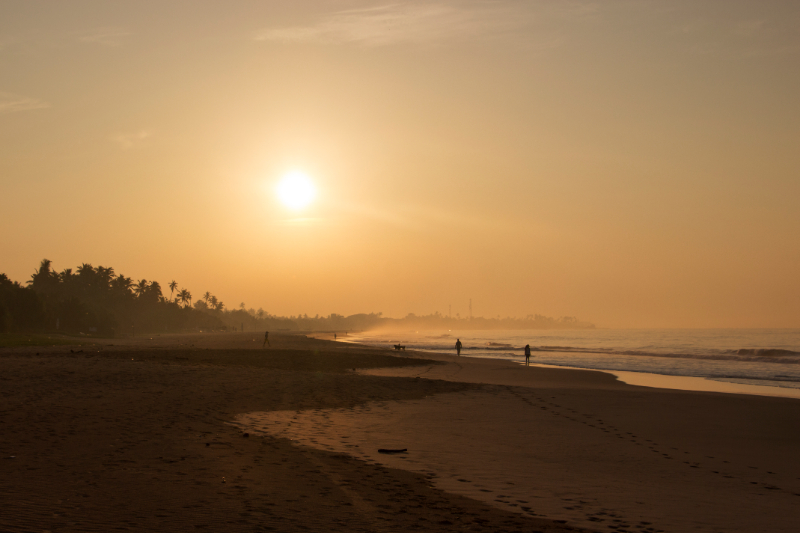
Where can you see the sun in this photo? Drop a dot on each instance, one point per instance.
(296, 190)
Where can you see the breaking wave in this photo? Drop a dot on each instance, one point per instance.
(766, 352)
(742, 354)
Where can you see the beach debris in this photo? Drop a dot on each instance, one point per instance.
(12, 456)
(223, 480)
(246, 435)
(389, 450)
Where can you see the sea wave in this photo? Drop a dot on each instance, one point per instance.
(743, 354)
(768, 352)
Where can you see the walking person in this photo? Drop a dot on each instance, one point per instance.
(266, 340)
(458, 346)
(527, 354)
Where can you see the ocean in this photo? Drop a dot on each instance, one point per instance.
(748, 357)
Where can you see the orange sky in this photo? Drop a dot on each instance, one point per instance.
(635, 164)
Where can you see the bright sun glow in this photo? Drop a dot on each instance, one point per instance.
(296, 190)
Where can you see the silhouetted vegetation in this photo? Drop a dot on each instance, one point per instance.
(97, 301)
(94, 301)
(20, 307)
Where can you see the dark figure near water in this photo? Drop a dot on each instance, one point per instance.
(266, 340)
(527, 354)
(458, 346)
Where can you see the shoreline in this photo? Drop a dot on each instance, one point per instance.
(688, 383)
(648, 379)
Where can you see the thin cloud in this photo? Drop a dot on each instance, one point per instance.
(129, 140)
(740, 38)
(395, 24)
(10, 103)
(106, 37)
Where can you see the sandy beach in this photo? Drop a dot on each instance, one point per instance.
(149, 434)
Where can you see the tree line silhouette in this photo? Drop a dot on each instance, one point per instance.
(93, 300)
(97, 301)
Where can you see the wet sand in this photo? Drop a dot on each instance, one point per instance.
(148, 435)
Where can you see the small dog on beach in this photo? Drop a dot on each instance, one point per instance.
(399, 347)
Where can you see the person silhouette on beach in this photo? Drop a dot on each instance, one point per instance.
(527, 354)
(458, 346)
(266, 340)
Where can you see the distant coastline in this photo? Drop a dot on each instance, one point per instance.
(96, 301)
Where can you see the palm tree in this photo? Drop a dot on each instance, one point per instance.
(121, 284)
(87, 276)
(66, 275)
(86, 270)
(44, 278)
(207, 297)
(42, 272)
(104, 276)
(154, 291)
(213, 301)
(140, 288)
(185, 297)
(172, 286)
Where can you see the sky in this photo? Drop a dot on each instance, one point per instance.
(632, 163)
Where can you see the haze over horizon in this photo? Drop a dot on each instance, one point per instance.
(633, 164)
